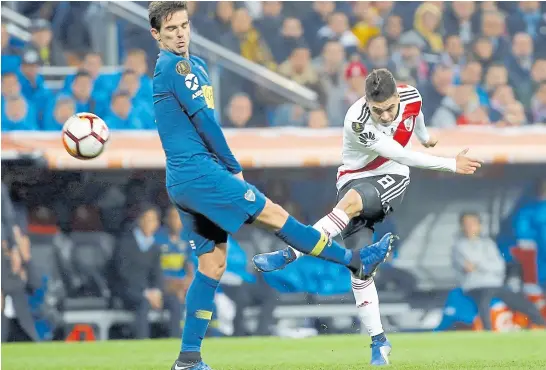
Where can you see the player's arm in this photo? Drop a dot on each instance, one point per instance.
(421, 131)
(377, 142)
(193, 102)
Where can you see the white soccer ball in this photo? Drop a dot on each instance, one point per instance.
(85, 135)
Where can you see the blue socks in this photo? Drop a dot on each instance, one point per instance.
(199, 308)
(310, 241)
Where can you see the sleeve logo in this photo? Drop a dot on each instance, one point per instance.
(357, 127)
(367, 138)
(192, 82)
(183, 68)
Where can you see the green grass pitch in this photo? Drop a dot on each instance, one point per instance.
(437, 351)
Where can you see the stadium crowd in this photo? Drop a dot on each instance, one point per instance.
(474, 63)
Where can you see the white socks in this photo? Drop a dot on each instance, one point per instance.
(367, 304)
(333, 224)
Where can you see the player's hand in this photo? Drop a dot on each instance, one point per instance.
(431, 143)
(467, 165)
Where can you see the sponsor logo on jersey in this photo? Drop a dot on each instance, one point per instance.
(358, 127)
(408, 123)
(183, 68)
(197, 94)
(192, 82)
(367, 138)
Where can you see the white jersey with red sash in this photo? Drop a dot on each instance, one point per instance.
(373, 149)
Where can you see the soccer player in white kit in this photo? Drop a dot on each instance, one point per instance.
(372, 181)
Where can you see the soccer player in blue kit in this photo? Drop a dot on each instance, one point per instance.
(205, 181)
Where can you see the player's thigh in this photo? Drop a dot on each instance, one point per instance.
(225, 200)
(380, 195)
(201, 233)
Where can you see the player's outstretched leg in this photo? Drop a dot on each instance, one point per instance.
(349, 207)
(308, 240)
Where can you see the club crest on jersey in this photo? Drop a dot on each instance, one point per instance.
(367, 138)
(408, 123)
(183, 68)
(250, 196)
(357, 126)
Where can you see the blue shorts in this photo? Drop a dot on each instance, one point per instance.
(213, 206)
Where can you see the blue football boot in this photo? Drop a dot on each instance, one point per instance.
(375, 254)
(273, 261)
(380, 352)
(187, 366)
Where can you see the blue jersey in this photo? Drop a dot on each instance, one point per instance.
(175, 256)
(181, 89)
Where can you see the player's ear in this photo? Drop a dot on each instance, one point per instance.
(155, 34)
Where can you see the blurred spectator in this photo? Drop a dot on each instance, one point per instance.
(10, 85)
(65, 107)
(481, 271)
(538, 105)
(142, 106)
(17, 115)
(479, 116)
(19, 280)
(393, 29)
(72, 30)
(520, 61)
(177, 263)
(42, 41)
(122, 115)
(454, 108)
(289, 115)
(33, 84)
(317, 118)
(298, 68)
(471, 74)
(139, 279)
(292, 30)
(270, 24)
(11, 58)
(246, 289)
(408, 59)
(436, 90)
(330, 67)
(493, 27)
(525, 89)
(482, 51)
(514, 115)
(81, 92)
(462, 20)
(502, 97)
(496, 75)
(239, 113)
(338, 29)
(454, 55)
(247, 41)
(92, 63)
(8, 218)
(427, 21)
(367, 24)
(314, 21)
(527, 19)
(220, 23)
(355, 74)
(377, 54)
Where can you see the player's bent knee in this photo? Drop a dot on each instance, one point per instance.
(213, 264)
(351, 203)
(272, 216)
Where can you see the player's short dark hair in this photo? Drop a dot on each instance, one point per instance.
(161, 10)
(380, 85)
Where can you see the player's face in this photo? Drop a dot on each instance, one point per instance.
(385, 112)
(174, 34)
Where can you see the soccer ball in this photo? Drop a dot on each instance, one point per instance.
(85, 135)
